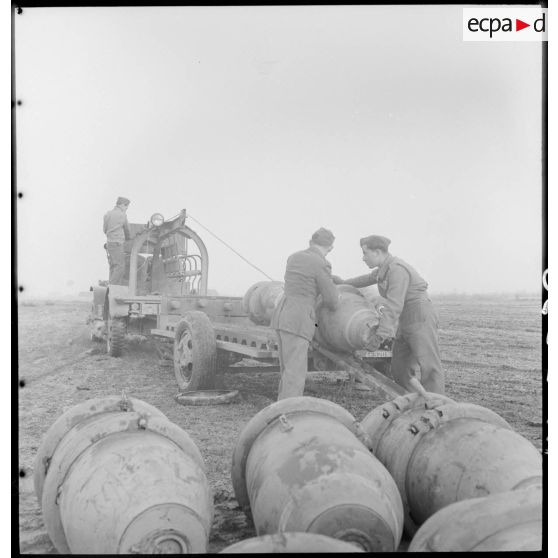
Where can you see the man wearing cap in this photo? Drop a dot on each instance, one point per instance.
(307, 276)
(115, 226)
(404, 290)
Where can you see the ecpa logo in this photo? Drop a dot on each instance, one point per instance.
(505, 24)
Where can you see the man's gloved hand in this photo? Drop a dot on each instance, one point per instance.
(337, 280)
(377, 341)
(386, 344)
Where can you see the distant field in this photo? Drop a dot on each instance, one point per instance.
(491, 351)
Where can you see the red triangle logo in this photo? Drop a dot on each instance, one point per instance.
(519, 25)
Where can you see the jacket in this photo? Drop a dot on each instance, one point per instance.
(115, 225)
(401, 286)
(308, 274)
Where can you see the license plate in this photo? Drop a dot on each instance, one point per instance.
(373, 354)
(149, 308)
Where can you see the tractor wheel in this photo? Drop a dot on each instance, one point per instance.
(195, 352)
(116, 331)
(96, 331)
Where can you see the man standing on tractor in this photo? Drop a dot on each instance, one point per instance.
(115, 226)
(307, 276)
(404, 290)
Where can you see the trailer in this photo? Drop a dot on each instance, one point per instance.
(165, 296)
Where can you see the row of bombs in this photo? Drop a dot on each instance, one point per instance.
(347, 328)
(114, 475)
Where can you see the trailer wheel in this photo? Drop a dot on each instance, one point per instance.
(195, 352)
(321, 363)
(206, 397)
(116, 331)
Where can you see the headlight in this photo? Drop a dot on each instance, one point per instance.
(134, 307)
(157, 219)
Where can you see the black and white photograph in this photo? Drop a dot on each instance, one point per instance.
(281, 278)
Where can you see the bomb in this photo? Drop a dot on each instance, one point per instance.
(299, 465)
(115, 476)
(351, 325)
(260, 301)
(505, 522)
(290, 543)
(452, 452)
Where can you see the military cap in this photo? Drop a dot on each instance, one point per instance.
(375, 241)
(323, 237)
(122, 200)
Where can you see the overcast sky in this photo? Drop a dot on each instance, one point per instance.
(266, 123)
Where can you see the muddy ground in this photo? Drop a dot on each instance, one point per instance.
(491, 351)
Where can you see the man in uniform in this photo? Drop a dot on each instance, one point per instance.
(404, 290)
(308, 275)
(115, 226)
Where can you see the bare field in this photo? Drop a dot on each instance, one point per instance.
(491, 351)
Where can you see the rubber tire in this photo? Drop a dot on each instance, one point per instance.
(93, 337)
(202, 356)
(206, 397)
(116, 332)
(321, 363)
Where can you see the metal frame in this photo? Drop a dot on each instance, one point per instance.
(177, 227)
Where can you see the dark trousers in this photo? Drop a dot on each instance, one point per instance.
(416, 348)
(116, 261)
(293, 360)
